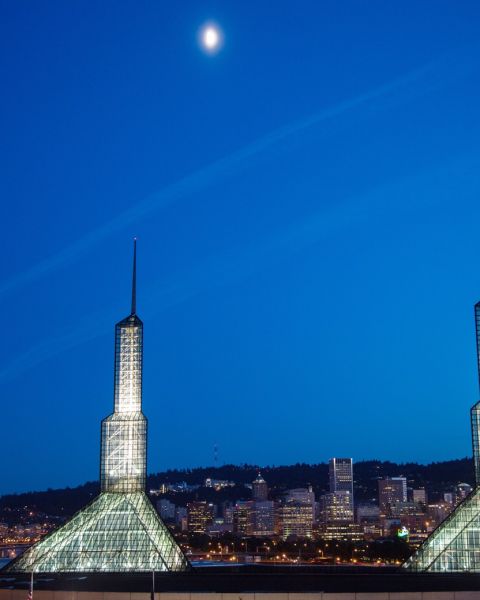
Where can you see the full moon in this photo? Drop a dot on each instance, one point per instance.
(211, 38)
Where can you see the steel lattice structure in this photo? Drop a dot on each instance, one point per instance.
(455, 545)
(119, 531)
(116, 532)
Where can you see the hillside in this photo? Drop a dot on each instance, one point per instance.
(437, 477)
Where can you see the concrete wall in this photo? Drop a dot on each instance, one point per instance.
(59, 595)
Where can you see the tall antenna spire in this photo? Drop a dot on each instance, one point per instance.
(134, 278)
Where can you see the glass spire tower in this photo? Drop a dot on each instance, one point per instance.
(119, 531)
(124, 433)
(455, 545)
(475, 410)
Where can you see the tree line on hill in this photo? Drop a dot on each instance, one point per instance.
(436, 477)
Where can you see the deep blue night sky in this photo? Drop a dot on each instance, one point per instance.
(307, 205)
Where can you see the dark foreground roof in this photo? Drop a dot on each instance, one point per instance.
(252, 578)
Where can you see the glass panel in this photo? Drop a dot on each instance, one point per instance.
(455, 545)
(115, 533)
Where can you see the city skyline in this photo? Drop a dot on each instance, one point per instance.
(235, 514)
(307, 208)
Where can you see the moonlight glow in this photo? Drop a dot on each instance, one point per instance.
(211, 38)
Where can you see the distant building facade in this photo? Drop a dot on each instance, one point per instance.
(340, 475)
(243, 523)
(336, 507)
(296, 514)
(295, 519)
(263, 520)
(200, 516)
(259, 488)
(302, 495)
(390, 491)
(166, 509)
(462, 491)
(419, 496)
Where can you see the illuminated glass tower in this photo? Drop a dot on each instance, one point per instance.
(119, 531)
(124, 433)
(340, 475)
(454, 545)
(475, 410)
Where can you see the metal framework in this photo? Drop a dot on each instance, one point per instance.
(116, 532)
(119, 530)
(475, 410)
(475, 421)
(124, 433)
(455, 545)
(477, 332)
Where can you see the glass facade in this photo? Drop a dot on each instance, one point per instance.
(295, 519)
(263, 518)
(475, 410)
(455, 545)
(199, 516)
(340, 475)
(119, 530)
(128, 365)
(124, 433)
(477, 331)
(391, 490)
(475, 421)
(337, 507)
(114, 533)
(123, 454)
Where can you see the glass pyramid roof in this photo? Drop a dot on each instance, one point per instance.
(455, 545)
(114, 533)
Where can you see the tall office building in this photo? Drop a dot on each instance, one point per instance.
(390, 491)
(453, 546)
(337, 511)
(259, 488)
(296, 514)
(336, 508)
(340, 475)
(166, 509)
(199, 516)
(419, 496)
(243, 517)
(263, 518)
(295, 519)
(119, 531)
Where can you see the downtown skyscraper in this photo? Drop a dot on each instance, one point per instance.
(340, 475)
(336, 507)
